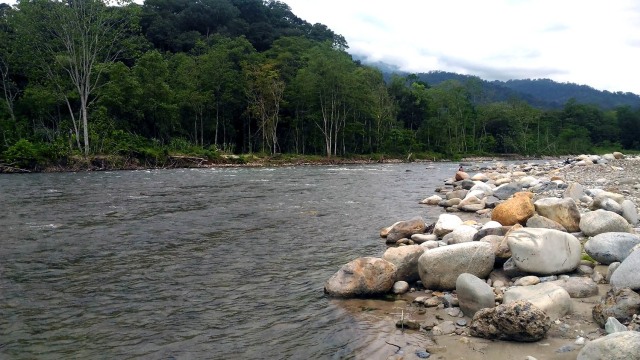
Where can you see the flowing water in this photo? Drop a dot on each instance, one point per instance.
(196, 264)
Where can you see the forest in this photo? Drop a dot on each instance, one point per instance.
(209, 78)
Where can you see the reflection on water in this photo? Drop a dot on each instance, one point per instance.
(196, 264)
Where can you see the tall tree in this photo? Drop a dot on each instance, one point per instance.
(74, 37)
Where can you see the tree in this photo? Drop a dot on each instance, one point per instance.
(75, 38)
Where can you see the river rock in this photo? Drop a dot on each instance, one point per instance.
(516, 210)
(630, 212)
(605, 203)
(613, 326)
(602, 221)
(537, 221)
(404, 229)
(446, 223)
(499, 246)
(471, 204)
(444, 328)
(439, 268)
(626, 275)
(481, 188)
(366, 276)
(480, 177)
(618, 155)
(431, 200)
(578, 287)
(467, 184)
(457, 194)
(550, 298)
(517, 321)
(563, 211)
(611, 269)
(616, 346)
(463, 233)
(405, 259)
(400, 287)
(544, 251)
(527, 281)
(473, 294)
(505, 191)
(620, 303)
(421, 238)
(493, 230)
(574, 191)
(430, 244)
(610, 247)
(461, 175)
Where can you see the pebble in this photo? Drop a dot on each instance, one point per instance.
(422, 354)
(461, 322)
(580, 341)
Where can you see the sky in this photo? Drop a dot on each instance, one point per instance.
(588, 42)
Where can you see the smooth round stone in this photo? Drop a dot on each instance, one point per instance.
(461, 322)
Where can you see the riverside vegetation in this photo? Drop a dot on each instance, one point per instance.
(87, 85)
(544, 253)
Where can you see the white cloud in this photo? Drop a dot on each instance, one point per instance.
(587, 42)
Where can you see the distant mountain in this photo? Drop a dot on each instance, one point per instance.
(542, 93)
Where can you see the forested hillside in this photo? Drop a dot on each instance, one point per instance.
(212, 77)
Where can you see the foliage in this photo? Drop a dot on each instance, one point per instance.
(214, 78)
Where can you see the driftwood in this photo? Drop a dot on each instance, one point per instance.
(4, 168)
(198, 161)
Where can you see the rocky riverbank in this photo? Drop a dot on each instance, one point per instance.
(531, 261)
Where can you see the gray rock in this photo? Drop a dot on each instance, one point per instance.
(421, 238)
(602, 221)
(461, 234)
(537, 221)
(517, 321)
(613, 326)
(405, 258)
(578, 287)
(428, 245)
(527, 281)
(439, 268)
(550, 298)
(431, 200)
(471, 204)
(457, 194)
(574, 191)
(603, 202)
(467, 184)
(404, 229)
(446, 223)
(630, 212)
(610, 247)
(563, 211)
(616, 346)
(503, 192)
(511, 270)
(544, 251)
(500, 230)
(400, 287)
(611, 269)
(473, 294)
(621, 304)
(365, 276)
(444, 328)
(626, 275)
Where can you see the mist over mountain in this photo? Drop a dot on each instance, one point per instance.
(542, 93)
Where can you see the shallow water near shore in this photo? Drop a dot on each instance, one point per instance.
(196, 263)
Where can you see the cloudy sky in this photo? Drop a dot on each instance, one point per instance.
(591, 42)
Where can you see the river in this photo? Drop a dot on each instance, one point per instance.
(196, 263)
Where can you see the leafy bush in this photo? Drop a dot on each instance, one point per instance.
(23, 154)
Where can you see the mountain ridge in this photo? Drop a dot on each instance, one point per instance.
(542, 93)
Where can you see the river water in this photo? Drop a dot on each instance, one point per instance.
(196, 263)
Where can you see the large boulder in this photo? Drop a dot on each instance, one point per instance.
(544, 251)
(404, 229)
(617, 346)
(439, 268)
(473, 294)
(446, 223)
(610, 247)
(461, 175)
(620, 303)
(563, 211)
(626, 275)
(602, 221)
(602, 201)
(517, 321)
(550, 298)
(366, 276)
(405, 258)
(516, 210)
